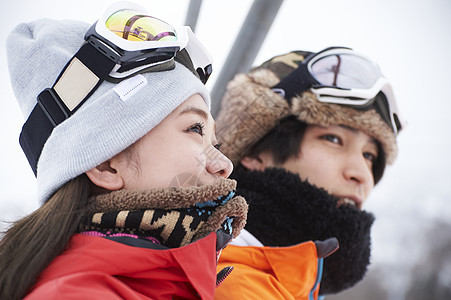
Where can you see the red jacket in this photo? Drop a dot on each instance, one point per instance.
(98, 268)
(271, 272)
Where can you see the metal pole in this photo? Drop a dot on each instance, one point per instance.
(247, 44)
(193, 14)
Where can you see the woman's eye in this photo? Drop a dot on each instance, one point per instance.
(218, 146)
(331, 138)
(197, 128)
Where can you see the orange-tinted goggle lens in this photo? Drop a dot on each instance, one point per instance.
(132, 25)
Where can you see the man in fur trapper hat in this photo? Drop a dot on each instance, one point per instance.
(309, 135)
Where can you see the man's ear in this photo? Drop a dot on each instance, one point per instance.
(260, 163)
(106, 177)
(252, 163)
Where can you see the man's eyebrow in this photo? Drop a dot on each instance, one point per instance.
(372, 139)
(375, 142)
(349, 128)
(195, 110)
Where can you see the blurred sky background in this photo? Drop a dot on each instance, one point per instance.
(411, 41)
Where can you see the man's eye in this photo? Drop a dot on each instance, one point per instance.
(331, 138)
(370, 156)
(197, 128)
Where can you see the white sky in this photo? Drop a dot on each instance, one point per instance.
(410, 39)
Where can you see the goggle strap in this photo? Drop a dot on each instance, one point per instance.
(95, 60)
(382, 108)
(32, 138)
(296, 82)
(56, 104)
(165, 66)
(184, 58)
(151, 60)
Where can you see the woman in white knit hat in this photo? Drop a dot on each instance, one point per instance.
(135, 197)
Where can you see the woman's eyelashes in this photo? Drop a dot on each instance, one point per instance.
(197, 128)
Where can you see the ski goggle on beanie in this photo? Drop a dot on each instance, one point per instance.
(88, 93)
(335, 86)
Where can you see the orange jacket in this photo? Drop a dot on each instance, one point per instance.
(98, 268)
(271, 272)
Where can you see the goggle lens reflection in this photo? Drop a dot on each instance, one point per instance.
(132, 25)
(345, 71)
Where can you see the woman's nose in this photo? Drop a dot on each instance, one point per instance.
(218, 164)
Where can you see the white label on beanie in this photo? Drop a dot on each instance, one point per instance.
(131, 86)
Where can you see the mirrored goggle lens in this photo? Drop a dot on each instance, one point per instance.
(133, 26)
(345, 71)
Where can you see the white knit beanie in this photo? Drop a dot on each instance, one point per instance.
(105, 124)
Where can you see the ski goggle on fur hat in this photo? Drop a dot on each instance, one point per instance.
(338, 75)
(336, 86)
(125, 41)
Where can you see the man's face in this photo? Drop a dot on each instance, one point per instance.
(335, 158)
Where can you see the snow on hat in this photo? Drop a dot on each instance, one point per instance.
(250, 109)
(105, 124)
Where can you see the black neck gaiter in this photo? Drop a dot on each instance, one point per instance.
(284, 211)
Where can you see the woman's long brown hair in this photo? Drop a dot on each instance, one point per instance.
(34, 241)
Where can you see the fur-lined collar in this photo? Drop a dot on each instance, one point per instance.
(190, 213)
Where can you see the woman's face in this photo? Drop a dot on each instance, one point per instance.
(335, 158)
(180, 151)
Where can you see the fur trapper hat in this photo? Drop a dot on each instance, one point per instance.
(250, 109)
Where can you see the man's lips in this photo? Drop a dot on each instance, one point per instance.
(349, 200)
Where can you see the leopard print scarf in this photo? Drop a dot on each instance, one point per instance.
(173, 217)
